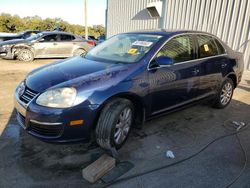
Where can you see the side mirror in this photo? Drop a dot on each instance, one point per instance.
(164, 61)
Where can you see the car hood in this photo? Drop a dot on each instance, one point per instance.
(14, 41)
(77, 72)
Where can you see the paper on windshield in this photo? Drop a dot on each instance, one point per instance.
(206, 48)
(142, 43)
(132, 51)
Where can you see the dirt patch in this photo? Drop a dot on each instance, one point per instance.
(12, 72)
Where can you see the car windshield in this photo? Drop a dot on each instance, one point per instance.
(34, 37)
(127, 48)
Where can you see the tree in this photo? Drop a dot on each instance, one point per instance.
(12, 24)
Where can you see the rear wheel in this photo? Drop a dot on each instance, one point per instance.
(225, 94)
(114, 123)
(79, 52)
(25, 55)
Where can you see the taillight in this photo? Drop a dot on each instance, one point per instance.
(92, 43)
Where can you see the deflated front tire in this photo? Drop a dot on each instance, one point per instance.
(114, 123)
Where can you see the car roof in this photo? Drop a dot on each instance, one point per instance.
(56, 32)
(30, 30)
(164, 32)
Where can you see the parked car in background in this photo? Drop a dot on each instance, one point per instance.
(91, 40)
(101, 39)
(124, 81)
(91, 37)
(21, 35)
(53, 44)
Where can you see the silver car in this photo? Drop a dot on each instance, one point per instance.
(54, 44)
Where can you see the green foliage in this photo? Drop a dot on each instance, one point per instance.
(14, 24)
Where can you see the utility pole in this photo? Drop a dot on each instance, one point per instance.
(86, 19)
(163, 15)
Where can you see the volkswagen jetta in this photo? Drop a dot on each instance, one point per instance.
(124, 81)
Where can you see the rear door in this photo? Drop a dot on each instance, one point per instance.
(66, 44)
(177, 84)
(213, 60)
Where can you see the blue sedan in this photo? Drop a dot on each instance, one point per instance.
(124, 81)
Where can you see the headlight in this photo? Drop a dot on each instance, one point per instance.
(20, 88)
(58, 98)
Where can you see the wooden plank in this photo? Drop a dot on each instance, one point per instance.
(99, 168)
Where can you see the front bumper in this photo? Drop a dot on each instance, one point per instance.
(53, 125)
(6, 53)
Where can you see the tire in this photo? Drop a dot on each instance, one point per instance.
(80, 52)
(225, 94)
(25, 55)
(114, 124)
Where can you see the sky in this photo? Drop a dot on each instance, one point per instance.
(71, 11)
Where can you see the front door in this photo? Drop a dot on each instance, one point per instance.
(178, 83)
(47, 46)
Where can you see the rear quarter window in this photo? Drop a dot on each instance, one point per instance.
(221, 49)
(206, 46)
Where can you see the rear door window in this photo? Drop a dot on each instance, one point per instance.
(180, 49)
(206, 46)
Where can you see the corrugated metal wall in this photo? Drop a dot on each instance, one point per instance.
(128, 15)
(228, 19)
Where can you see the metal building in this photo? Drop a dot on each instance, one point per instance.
(228, 19)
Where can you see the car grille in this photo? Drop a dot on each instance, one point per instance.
(45, 130)
(28, 95)
(21, 120)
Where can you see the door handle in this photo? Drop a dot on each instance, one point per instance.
(223, 65)
(55, 43)
(195, 71)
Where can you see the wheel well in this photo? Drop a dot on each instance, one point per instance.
(138, 105)
(16, 49)
(75, 50)
(81, 48)
(139, 108)
(234, 79)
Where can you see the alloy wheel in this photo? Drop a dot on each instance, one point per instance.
(226, 93)
(122, 126)
(26, 55)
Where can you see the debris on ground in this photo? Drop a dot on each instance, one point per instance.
(99, 168)
(170, 154)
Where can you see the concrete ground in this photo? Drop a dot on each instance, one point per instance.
(28, 162)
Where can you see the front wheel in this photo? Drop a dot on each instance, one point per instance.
(114, 123)
(225, 94)
(25, 55)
